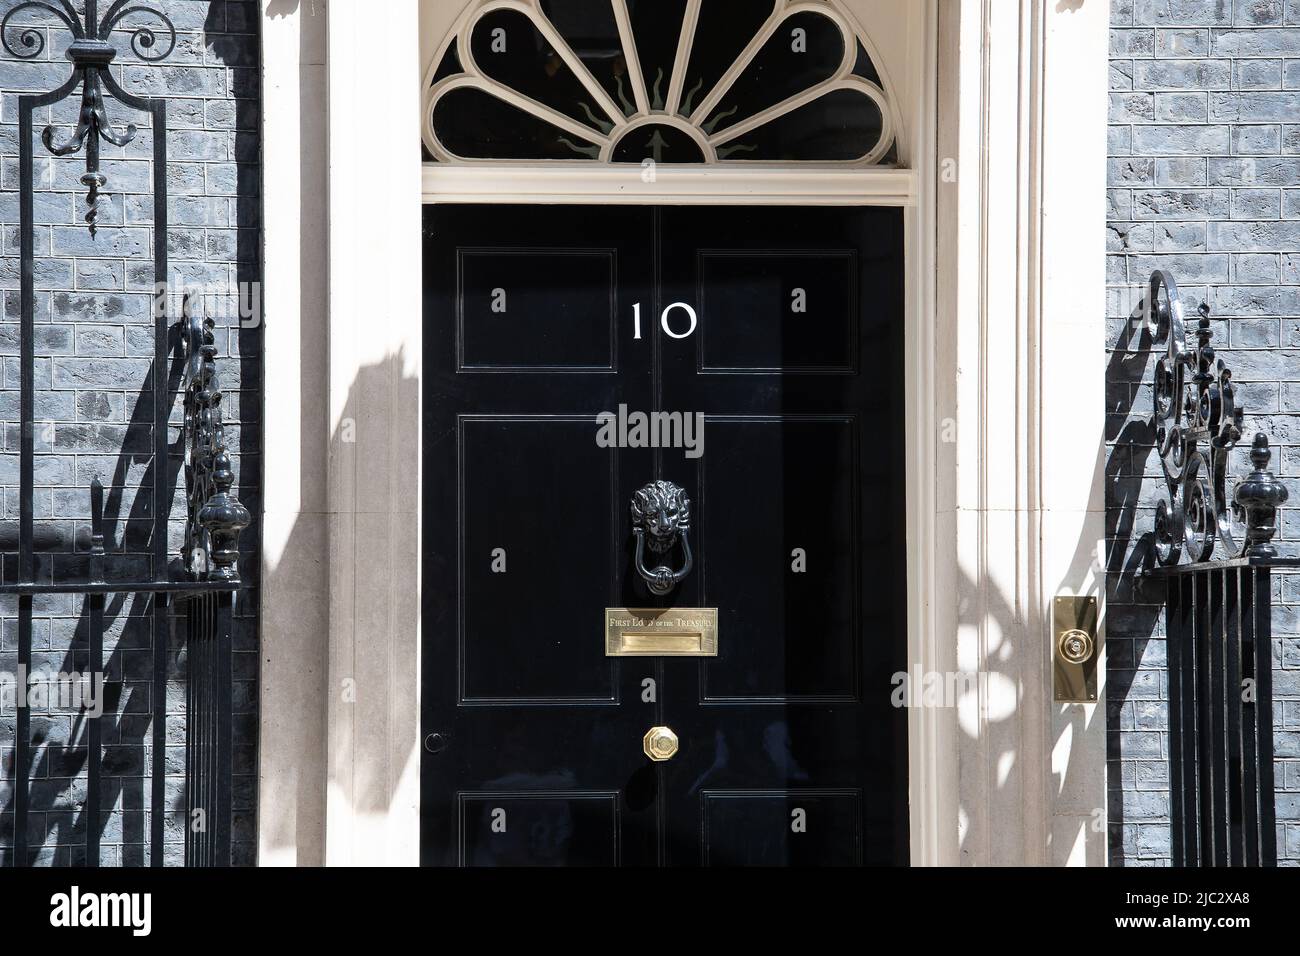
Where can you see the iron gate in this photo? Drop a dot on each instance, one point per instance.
(1218, 611)
(191, 593)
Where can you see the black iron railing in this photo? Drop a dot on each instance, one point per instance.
(1218, 612)
(193, 592)
(1218, 629)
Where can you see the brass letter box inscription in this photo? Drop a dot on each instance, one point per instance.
(661, 632)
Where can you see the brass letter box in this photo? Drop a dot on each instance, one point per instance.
(661, 632)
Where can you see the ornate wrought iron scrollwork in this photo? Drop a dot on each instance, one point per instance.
(214, 516)
(1197, 423)
(661, 517)
(90, 52)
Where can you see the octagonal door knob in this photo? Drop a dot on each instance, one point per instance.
(660, 743)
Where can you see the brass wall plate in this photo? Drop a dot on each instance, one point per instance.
(661, 632)
(1074, 650)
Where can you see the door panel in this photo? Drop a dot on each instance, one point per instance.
(782, 828)
(539, 828)
(790, 752)
(536, 309)
(518, 639)
(750, 296)
(789, 635)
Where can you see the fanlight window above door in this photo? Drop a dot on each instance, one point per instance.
(674, 81)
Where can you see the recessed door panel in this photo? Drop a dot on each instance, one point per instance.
(539, 828)
(522, 637)
(536, 309)
(778, 311)
(781, 828)
(779, 557)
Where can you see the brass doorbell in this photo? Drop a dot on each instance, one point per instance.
(1074, 649)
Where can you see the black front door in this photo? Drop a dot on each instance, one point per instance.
(773, 340)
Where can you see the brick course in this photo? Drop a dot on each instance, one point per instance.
(94, 343)
(1205, 114)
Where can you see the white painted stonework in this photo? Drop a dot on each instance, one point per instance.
(1021, 366)
(340, 690)
(295, 537)
(1001, 111)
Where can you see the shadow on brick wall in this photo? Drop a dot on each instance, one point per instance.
(57, 789)
(1132, 614)
(227, 44)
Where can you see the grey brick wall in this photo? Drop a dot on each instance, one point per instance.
(94, 346)
(1204, 181)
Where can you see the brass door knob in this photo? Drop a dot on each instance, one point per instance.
(660, 743)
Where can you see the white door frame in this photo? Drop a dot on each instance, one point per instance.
(1000, 519)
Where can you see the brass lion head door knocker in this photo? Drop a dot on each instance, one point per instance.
(661, 517)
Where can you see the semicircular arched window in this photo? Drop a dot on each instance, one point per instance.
(674, 81)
